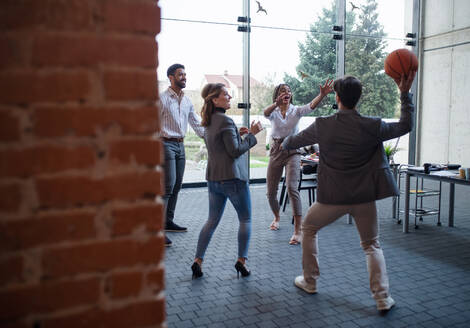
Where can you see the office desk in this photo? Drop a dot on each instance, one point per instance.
(434, 175)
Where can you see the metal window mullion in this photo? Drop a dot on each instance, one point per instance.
(246, 73)
(340, 44)
(413, 154)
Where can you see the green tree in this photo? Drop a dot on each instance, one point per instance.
(364, 59)
(261, 95)
(317, 62)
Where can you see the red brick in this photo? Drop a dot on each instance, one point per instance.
(27, 86)
(54, 14)
(67, 50)
(116, 16)
(47, 229)
(44, 159)
(16, 324)
(14, 51)
(156, 280)
(144, 120)
(72, 51)
(78, 190)
(10, 199)
(135, 85)
(12, 270)
(48, 297)
(68, 14)
(143, 151)
(101, 257)
(127, 219)
(125, 284)
(135, 52)
(18, 14)
(142, 314)
(57, 122)
(9, 126)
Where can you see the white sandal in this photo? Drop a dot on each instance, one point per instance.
(274, 225)
(295, 239)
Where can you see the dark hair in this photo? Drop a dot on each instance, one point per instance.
(172, 69)
(349, 90)
(276, 92)
(209, 92)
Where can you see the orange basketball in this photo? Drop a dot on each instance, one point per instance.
(400, 62)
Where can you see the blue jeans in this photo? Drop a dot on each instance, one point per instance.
(175, 161)
(238, 193)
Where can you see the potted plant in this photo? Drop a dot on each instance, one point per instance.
(391, 150)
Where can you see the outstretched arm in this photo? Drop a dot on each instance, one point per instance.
(324, 90)
(304, 138)
(405, 124)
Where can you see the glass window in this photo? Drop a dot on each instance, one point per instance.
(374, 29)
(290, 44)
(294, 45)
(201, 35)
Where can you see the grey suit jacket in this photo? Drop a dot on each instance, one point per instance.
(353, 167)
(226, 149)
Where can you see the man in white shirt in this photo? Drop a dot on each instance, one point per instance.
(176, 112)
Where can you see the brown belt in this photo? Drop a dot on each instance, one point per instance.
(173, 139)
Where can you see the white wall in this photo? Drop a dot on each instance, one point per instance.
(444, 103)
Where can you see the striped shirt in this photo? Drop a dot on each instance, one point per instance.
(176, 112)
(284, 127)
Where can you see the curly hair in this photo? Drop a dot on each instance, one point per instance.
(278, 89)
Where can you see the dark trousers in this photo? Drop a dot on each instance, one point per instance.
(175, 160)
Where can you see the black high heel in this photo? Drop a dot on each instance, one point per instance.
(197, 272)
(241, 268)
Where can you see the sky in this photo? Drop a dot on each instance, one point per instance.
(216, 48)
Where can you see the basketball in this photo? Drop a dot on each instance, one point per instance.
(400, 62)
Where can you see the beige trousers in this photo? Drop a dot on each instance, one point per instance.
(278, 159)
(365, 216)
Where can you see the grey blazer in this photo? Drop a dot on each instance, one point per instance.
(226, 149)
(353, 167)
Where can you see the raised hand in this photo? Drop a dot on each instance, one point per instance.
(255, 127)
(281, 98)
(404, 84)
(326, 88)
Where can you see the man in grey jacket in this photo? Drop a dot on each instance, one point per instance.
(353, 173)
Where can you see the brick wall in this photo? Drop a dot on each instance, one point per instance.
(81, 242)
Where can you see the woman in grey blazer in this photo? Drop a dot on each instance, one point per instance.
(352, 174)
(226, 173)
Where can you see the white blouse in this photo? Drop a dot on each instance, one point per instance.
(284, 127)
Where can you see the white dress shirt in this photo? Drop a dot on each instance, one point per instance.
(176, 112)
(284, 127)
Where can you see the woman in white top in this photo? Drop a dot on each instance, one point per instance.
(284, 119)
